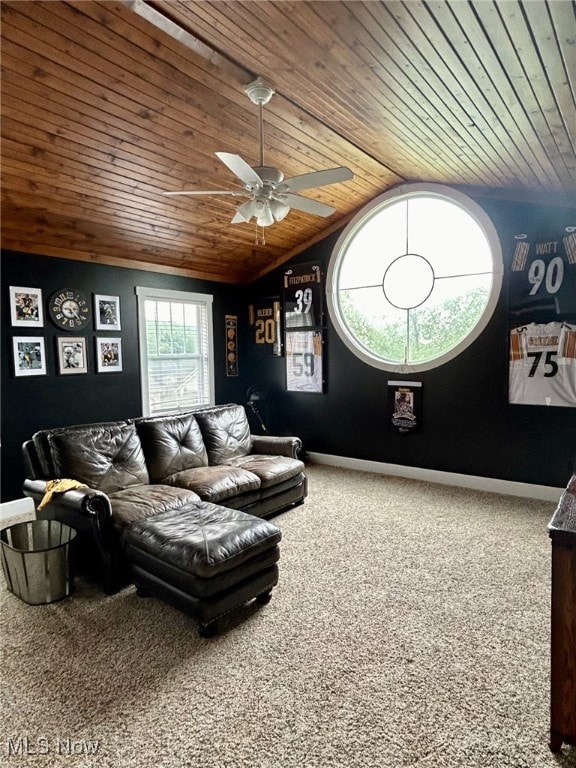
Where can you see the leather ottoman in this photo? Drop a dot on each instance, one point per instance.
(204, 559)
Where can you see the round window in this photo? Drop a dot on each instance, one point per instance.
(414, 277)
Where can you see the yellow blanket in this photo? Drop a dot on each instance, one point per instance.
(58, 486)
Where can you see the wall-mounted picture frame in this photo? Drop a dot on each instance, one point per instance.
(107, 312)
(304, 369)
(108, 355)
(72, 355)
(26, 308)
(29, 356)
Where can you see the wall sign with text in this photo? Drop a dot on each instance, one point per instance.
(405, 406)
(264, 321)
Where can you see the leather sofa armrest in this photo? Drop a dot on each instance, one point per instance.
(277, 446)
(88, 511)
(85, 502)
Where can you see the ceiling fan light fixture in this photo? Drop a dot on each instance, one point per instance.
(264, 215)
(245, 211)
(279, 209)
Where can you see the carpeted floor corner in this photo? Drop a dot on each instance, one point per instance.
(410, 628)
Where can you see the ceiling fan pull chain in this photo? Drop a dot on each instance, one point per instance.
(259, 240)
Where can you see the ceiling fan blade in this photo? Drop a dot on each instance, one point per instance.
(240, 168)
(316, 179)
(306, 205)
(206, 192)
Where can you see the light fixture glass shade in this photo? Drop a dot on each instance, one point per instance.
(279, 210)
(264, 215)
(245, 211)
(266, 212)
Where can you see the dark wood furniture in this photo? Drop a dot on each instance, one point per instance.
(562, 530)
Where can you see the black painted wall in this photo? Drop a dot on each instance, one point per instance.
(469, 427)
(38, 402)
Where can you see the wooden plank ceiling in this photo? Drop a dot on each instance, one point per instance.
(107, 104)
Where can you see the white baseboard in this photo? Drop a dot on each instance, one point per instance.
(17, 511)
(493, 485)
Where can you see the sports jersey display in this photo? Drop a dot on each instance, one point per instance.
(543, 273)
(303, 296)
(543, 364)
(264, 321)
(304, 361)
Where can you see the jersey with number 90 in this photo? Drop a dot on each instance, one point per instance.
(543, 364)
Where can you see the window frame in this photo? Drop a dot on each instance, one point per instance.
(394, 195)
(165, 294)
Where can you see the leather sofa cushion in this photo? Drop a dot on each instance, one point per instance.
(215, 484)
(171, 444)
(142, 501)
(42, 444)
(226, 432)
(106, 457)
(270, 469)
(205, 539)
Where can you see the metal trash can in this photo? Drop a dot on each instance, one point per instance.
(36, 561)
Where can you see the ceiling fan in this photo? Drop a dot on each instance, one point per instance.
(270, 195)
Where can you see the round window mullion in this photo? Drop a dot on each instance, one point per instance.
(440, 264)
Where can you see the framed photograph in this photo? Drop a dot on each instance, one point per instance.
(29, 356)
(107, 312)
(26, 307)
(405, 406)
(72, 357)
(108, 355)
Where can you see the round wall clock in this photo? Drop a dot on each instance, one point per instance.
(69, 309)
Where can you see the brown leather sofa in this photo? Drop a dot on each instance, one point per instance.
(139, 468)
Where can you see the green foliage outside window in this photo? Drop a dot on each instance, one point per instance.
(165, 338)
(429, 331)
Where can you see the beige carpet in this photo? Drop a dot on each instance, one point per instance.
(410, 628)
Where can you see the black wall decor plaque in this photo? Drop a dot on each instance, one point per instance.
(405, 406)
(231, 345)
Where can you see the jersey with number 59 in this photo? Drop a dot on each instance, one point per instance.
(543, 364)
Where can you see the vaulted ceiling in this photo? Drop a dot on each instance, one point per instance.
(106, 105)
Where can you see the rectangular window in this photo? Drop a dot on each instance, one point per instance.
(176, 350)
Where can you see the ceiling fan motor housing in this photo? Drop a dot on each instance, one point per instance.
(259, 92)
(270, 176)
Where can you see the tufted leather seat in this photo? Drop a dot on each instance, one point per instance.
(141, 501)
